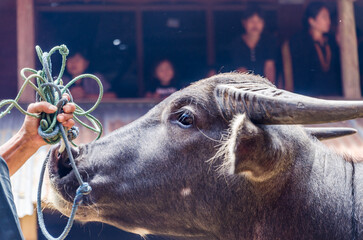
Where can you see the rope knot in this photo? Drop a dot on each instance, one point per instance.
(73, 133)
(82, 190)
(85, 188)
(63, 50)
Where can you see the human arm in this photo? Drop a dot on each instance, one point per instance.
(27, 141)
(270, 70)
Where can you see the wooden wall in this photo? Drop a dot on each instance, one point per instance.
(288, 20)
(8, 54)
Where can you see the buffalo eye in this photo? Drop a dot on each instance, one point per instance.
(184, 118)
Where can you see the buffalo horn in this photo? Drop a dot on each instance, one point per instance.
(269, 105)
(329, 133)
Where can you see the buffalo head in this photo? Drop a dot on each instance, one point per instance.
(206, 161)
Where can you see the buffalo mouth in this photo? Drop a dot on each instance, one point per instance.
(61, 174)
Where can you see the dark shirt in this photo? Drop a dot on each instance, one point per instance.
(309, 76)
(163, 91)
(9, 221)
(252, 59)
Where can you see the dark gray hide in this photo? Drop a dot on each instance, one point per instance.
(206, 162)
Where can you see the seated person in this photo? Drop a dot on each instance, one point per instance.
(254, 51)
(315, 55)
(163, 83)
(86, 88)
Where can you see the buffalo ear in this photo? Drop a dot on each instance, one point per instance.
(248, 150)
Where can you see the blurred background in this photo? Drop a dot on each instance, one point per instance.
(144, 50)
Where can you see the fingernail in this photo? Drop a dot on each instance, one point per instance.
(60, 118)
(52, 108)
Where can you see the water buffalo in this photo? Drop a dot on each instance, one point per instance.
(223, 158)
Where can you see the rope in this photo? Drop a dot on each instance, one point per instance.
(46, 90)
(50, 129)
(82, 190)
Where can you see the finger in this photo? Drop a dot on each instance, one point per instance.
(64, 117)
(65, 95)
(41, 107)
(69, 108)
(70, 123)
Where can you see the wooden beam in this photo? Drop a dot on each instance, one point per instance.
(211, 54)
(140, 52)
(119, 8)
(25, 42)
(149, 2)
(143, 8)
(348, 49)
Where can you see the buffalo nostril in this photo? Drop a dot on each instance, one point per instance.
(63, 162)
(64, 167)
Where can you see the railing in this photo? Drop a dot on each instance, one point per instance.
(142, 2)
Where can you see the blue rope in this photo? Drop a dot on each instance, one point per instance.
(82, 190)
(50, 90)
(52, 134)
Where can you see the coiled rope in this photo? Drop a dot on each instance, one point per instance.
(50, 90)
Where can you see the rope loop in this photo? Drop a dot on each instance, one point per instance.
(50, 90)
(63, 50)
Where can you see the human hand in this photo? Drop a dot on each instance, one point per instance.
(29, 130)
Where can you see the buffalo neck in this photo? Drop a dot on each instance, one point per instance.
(317, 201)
(321, 199)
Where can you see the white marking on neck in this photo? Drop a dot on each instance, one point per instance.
(185, 192)
(141, 231)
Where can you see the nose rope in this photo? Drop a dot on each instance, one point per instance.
(83, 189)
(50, 90)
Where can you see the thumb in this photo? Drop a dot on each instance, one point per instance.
(41, 107)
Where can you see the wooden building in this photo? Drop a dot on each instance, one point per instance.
(127, 35)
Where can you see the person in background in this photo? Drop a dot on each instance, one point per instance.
(86, 88)
(210, 71)
(14, 153)
(254, 51)
(360, 58)
(163, 83)
(315, 55)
